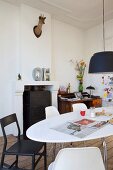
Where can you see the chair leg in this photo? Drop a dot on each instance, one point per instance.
(2, 160)
(45, 157)
(104, 152)
(33, 162)
(16, 161)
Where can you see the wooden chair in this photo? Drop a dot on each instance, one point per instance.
(22, 147)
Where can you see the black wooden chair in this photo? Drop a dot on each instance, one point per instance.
(22, 147)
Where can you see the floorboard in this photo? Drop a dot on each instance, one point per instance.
(25, 162)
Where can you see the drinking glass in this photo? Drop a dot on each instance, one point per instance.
(82, 112)
(92, 111)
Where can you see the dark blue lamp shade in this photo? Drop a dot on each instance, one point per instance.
(101, 62)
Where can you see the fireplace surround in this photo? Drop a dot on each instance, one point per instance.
(35, 100)
(51, 86)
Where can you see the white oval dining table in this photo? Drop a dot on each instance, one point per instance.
(44, 131)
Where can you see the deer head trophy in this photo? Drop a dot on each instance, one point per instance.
(38, 28)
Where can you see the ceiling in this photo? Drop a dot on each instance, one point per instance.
(80, 13)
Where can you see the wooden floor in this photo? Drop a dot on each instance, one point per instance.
(25, 162)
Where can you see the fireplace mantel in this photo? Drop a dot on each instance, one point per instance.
(52, 85)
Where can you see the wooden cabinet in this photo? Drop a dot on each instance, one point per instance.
(96, 103)
(66, 101)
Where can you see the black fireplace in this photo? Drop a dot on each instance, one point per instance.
(35, 99)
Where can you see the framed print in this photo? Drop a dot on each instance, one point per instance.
(78, 95)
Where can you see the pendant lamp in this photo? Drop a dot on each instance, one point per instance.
(101, 62)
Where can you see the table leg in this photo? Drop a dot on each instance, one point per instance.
(104, 152)
(54, 151)
(60, 146)
(84, 143)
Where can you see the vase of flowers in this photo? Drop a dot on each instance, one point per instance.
(80, 87)
(80, 67)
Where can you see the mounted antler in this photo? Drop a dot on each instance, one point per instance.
(38, 28)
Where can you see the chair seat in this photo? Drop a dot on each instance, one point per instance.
(25, 147)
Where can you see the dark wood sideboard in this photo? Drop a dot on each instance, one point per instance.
(65, 102)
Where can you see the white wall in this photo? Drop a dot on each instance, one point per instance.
(93, 44)
(21, 51)
(9, 25)
(67, 44)
(35, 52)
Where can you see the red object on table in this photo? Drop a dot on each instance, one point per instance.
(82, 112)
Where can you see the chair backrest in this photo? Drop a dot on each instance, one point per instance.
(51, 111)
(5, 121)
(87, 158)
(79, 106)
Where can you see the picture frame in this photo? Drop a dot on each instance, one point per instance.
(46, 74)
(78, 95)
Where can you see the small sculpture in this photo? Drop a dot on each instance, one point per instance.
(19, 77)
(68, 88)
(38, 28)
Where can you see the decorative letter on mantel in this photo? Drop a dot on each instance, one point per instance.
(38, 28)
